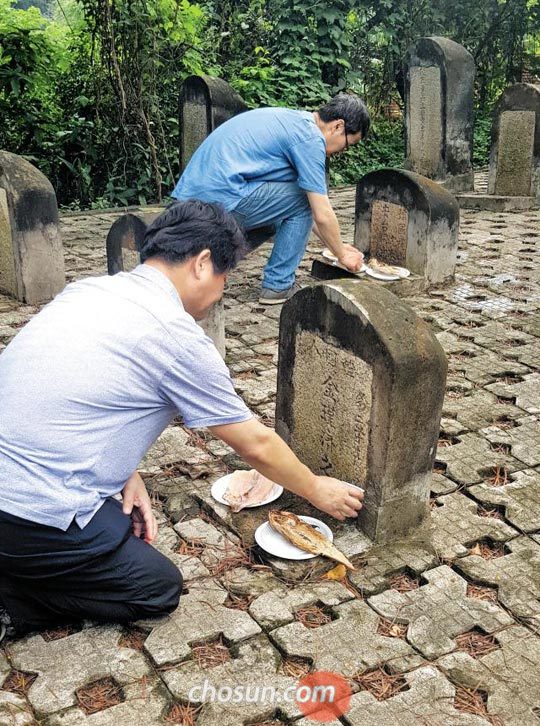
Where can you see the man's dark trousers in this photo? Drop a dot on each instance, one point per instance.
(101, 572)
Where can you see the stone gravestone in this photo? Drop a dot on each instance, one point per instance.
(123, 241)
(439, 77)
(31, 255)
(406, 219)
(205, 103)
(361, 382)
(514, 168)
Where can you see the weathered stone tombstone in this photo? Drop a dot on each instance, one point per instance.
(361, 381)
(205, 103)
(123, 241)
(514, 168)
(405, 219)
(31, 255)
(439, 77)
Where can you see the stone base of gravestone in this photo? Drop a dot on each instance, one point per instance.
(439, 78)
(31, 255)
(405, 219)
(123, 241)
(514, 168)
(496, 203)
(412, 285)
(361, 381)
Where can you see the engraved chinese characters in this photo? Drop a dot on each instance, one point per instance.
(31, 256)
(514, 169)
(360, 390)
(389, 224)
(439, 77)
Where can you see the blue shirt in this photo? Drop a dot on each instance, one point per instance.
(89, 384)
(263, 145)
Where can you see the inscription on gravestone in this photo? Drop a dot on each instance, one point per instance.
(8, 280)
(389, 232)
(515, 153)
(425, 132)
(195, 127)
(335, 424)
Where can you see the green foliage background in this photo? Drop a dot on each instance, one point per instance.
(89, 88)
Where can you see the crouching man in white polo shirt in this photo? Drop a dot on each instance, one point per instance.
(85, 388)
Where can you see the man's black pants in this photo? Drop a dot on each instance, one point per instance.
(101, 572)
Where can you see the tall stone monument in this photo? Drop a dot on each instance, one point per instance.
(123, 243)
(439, 77)
(205, 103)
(31, 255)
(361, 381)
(514, 167)
(406, 219)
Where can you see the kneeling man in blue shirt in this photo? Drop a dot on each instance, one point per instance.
(267, 166)
(86, 387)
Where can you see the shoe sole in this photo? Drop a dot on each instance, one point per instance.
(266, 301)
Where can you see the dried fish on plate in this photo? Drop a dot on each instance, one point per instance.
(305, 537)
(247, 488)
(385, 269)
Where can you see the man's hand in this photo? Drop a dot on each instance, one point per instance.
(351, 258)
(136, 503)
(336, 497)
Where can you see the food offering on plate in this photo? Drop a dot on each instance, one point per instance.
(330, 257)
(244, 489)
(383, 271)
(307, 538)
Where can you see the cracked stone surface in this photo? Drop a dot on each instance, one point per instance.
(456, 524)
(479, 410)
(69, 663)
(189, 565)
(200, 616)
(510, 676)
(524, 439)
(348, 644)
(516, 577)
(526, 393)
(428, 700)
(14, 710)
(520, 499)
(438, 612)
(467, 461)
(216, 545)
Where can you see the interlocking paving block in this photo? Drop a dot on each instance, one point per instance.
(217, 545)
(520, 499)
(255, 664)
(526, 393)
(456, 524)
(65, 665)
(189, 565)
(427, 701)
(256, 390)
(469, 460)
(438, 612)
(479, 409)
(509, 675)
(276, 608)
(348, 644)
(442, 485)
(146, 702)
(529, 354)
(516, 576)
(498, 337)
(487, 367)
(174, 446)
(201, 615)
(524, 439)
(14, 710)
(414, 555)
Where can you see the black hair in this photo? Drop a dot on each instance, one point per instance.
(187, 228)
(351, 109)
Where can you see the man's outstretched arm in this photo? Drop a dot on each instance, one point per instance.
(265, 451)
(327, 229)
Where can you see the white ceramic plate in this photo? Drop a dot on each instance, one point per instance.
(330, 256)
(402, 272)
(219, 487)
(275, 543)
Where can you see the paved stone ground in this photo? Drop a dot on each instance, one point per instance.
(452, 616)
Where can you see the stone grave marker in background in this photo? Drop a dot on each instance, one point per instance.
(406, 219)
(123, 241)
(361, 381)
(205, 103)
(514, 168)
(439, 77)
(31, 255)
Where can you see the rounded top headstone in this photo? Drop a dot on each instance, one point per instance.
(214, 91)
(435, 48)
(30, 194)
